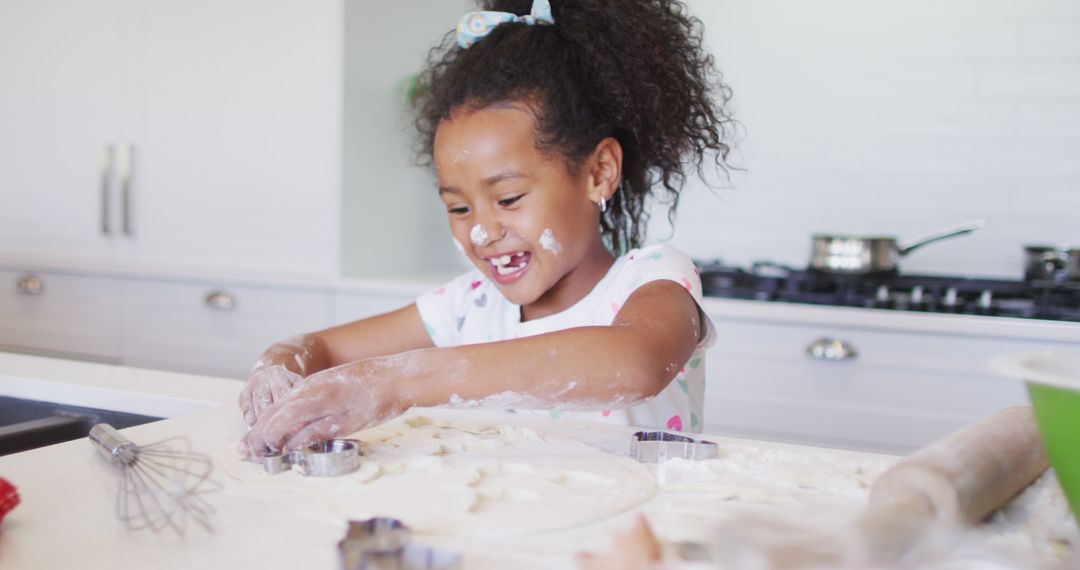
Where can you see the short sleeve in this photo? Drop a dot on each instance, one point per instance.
(663, 262)
(439, 309)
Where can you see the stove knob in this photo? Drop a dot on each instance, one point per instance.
(986, 301)
(917, 295)
(882, 294)
(950, 298)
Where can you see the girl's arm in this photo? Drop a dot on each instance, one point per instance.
(286, 363)
(585, 368)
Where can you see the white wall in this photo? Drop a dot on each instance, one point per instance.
(392, 219)
(864, 116)
(894, 118)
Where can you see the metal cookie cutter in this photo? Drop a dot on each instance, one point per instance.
(659, 446)
(383, 544)
(328, 458)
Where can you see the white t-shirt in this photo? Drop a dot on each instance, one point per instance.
(470, 310)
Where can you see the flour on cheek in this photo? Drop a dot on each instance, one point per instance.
(548, 242)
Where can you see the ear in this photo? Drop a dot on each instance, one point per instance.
(605, 169)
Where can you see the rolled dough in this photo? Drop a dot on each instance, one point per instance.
(445, 477)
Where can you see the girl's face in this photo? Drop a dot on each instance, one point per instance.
(520, 215)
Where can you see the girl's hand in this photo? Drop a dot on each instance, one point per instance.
(266, 385)
(326, 405)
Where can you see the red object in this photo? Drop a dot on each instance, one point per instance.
(9, 498)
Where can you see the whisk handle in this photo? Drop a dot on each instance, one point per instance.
(112, 445)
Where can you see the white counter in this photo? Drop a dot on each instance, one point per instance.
(67, 519)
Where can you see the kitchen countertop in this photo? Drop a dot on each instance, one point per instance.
(67, 519)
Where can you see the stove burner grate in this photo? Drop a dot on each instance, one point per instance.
(927, 293)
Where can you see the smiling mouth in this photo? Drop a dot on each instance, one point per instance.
(509, 264)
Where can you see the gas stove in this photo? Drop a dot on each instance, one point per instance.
(765, 281)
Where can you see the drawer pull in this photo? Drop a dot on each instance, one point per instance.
(832, 350)
(30, 285)
(221, 301)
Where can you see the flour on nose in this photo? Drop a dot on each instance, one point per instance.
(478, 235)
(548, 242)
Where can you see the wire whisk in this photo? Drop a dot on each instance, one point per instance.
(162, 486)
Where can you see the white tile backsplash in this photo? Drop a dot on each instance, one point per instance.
(893, 118)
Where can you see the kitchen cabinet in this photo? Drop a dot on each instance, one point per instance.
(174, 133)
(60, 314)
(63, 79)
(213, 327)
(359, 303)
(885, 389)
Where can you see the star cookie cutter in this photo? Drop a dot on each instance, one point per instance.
(659, 446)
(384, 544)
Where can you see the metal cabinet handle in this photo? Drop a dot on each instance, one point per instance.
(127, 167)
(106, 184)
(832, 350)
(221, 301)
(30, 285)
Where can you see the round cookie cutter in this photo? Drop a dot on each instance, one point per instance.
(329, 458)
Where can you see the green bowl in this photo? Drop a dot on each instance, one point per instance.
(1053, 382)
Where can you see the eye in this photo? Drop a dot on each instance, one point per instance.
(458, 211)
(507, 202)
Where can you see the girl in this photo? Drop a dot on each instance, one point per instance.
(549, 126)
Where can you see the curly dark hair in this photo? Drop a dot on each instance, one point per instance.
(634, 70)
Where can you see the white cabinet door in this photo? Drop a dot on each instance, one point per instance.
(61, 79)
(238, 154)
(60, 314)
(213, 328)
(233, 112)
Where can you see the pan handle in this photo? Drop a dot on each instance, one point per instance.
(952, 231)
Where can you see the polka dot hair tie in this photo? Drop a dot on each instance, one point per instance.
(475, 25)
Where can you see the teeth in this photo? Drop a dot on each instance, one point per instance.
(502, 264)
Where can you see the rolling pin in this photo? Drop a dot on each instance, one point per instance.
(958, 480)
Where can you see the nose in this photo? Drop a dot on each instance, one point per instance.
(484, 234)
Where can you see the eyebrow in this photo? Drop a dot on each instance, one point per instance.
(489, 181)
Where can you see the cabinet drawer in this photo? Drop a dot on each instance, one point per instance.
(60, 313)
(213, 328)
(916, 352)
(901, 391)
(353, 305)
(849, 406)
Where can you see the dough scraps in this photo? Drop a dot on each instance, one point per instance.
(444, 477)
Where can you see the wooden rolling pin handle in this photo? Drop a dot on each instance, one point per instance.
(971, 473)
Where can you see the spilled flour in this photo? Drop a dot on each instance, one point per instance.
(445, 477)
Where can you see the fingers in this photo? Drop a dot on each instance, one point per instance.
(278, 424)
(322, 429)
(262, 396)
(246, 406)
(265, 387)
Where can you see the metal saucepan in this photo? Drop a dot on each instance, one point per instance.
(1052, 264)
(859, 255)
